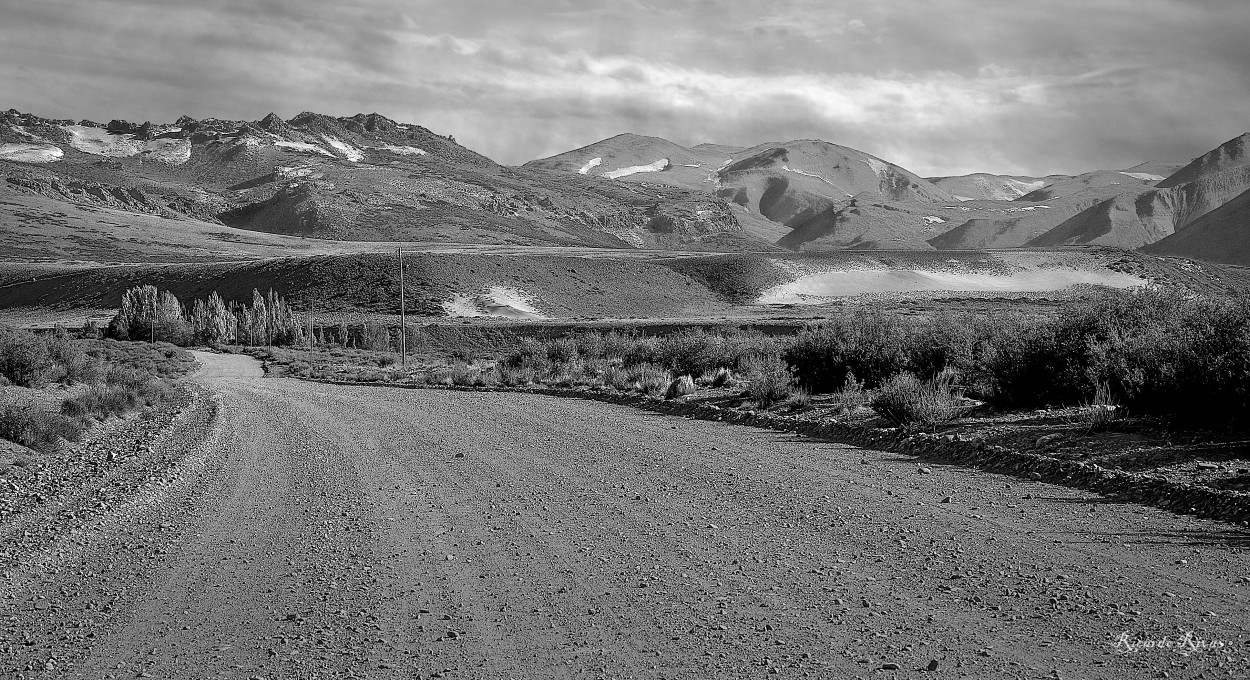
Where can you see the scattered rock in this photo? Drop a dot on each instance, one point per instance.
(948, 499)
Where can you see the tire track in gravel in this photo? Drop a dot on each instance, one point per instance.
(367, 532)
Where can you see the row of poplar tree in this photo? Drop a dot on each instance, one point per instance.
(149, 314)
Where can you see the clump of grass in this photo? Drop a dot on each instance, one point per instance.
(37, 428)
(851, 396)
(680, 387)
(513, 376)
(617, 377)
(649, 379)
(905, 399)
(799, 398)
(1102, 411)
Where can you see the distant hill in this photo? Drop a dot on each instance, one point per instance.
(986, 187)
(1221, 235)
(364, 177)
(1171, 205)
(80, 189)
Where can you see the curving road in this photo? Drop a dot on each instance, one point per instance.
(319, 531)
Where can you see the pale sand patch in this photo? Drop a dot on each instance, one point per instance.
(819, 287)
(496, 301)
(592, 163)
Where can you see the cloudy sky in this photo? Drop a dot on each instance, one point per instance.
(937, 86)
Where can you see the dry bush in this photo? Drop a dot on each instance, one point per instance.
(905, 399)
(799, 398)
(24, 358)
(513, 376)
(37, 428)
(680, 387)
(851, 396)
(617, 377)
(769, 379)
(649, 378)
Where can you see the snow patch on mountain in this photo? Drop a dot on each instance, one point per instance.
(350, 152)
(592, 163)
(933, 219)
(878, 167)
(30, 153)
(1144, 176)
(168, 150)
(403, 150)
(100, 142)
(303, 146)
(635, 169)
(796, 171)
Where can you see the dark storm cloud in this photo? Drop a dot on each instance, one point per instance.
(940, 87)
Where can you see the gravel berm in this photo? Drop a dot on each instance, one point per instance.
(330, 531)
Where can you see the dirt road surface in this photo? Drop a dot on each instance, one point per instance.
(318, 531)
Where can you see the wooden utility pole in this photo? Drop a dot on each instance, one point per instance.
(403, 315)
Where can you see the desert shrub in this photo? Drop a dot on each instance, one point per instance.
(616, 344)
(592, 366)
(639, 350)
(769, 379)
(615, 376)
(24, 358)
(905, 399)
(680, 387)
(531, 354)
(514, 376)
(37, 428)
(870, 343)
(1156, 352)
(386, 360)
(562, 351)
(799, 398)
(591, 345)
(953, 340)
(462, 374)
(103, 401)
(851, 396)
(688, 352)
(73, 365)
(722, 377)
(649, 378)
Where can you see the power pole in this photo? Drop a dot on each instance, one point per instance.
(403, 315)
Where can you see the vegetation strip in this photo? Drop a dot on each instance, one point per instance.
(1229, 506)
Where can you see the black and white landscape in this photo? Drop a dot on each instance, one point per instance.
(624, 340)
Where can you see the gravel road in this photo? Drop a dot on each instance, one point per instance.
(319, 531)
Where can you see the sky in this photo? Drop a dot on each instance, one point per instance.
(940, 87)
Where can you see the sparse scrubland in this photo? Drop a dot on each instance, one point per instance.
(1144, 352)
(53, 386)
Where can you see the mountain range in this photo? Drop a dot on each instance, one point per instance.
(370, 178)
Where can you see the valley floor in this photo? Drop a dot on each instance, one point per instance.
(318, 531)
